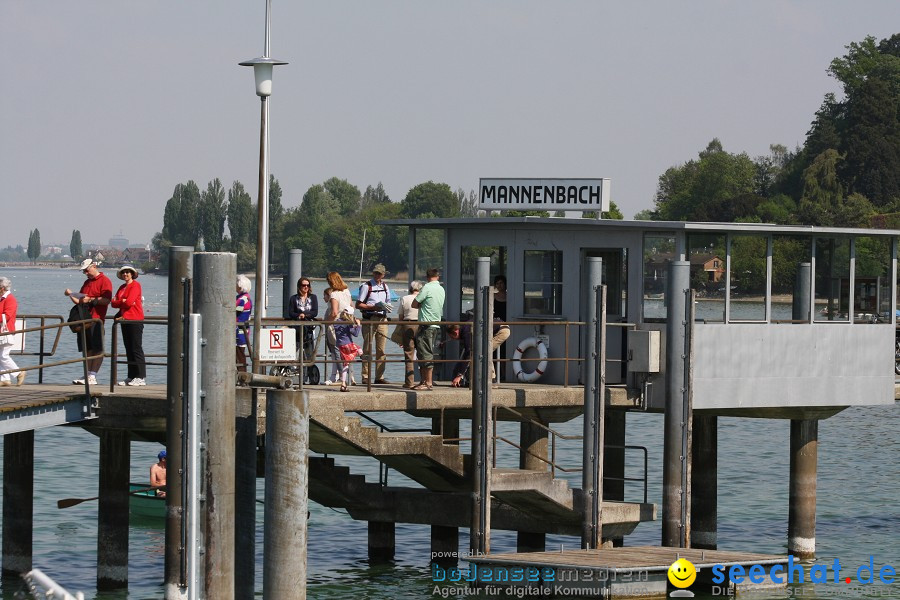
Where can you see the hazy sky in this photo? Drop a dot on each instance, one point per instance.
(106, 105)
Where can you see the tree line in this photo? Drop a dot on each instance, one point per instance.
(846, 173)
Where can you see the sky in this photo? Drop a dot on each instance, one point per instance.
(106, 105)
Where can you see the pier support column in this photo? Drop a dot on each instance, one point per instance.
(444, 545)
(382, 541)
(214, 276)
(18, 502)
(445, 540)
(287, 494)
(245, 494)
(534, 442)
(180, 270)
(802, 497)
(704, 484)
(676, 429)
(112, 510)
(614, 461)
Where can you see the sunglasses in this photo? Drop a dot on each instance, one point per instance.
(304, 285)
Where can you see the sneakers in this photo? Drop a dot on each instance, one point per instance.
(135, 381)
(91, 381)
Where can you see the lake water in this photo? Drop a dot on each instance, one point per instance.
(858, 488)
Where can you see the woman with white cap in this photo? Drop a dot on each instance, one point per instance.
(8, 308)
(130, 302)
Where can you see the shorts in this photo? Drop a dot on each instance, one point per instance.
(426, 341)
(94, 337)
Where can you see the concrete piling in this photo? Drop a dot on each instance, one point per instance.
(18, 502)
(245, 494)
(534, 442)
(614, 461)
(382, 541)
(214, 276)
(287, 494)
(704, 484)
(112, 512)
(802, 495)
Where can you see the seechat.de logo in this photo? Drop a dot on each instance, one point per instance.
(682, 574)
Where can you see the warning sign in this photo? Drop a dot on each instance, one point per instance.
(278, 343)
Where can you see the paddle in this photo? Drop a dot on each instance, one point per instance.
(67, 502)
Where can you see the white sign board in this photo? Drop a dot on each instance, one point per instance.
(544, 194)
(278, 343)
(18, 339)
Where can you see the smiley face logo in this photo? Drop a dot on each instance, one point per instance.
(682, 573)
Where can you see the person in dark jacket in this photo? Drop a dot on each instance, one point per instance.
(463, 334)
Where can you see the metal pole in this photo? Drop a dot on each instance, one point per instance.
(193, 461)
(481, 416)
(673, 486)
(180, 272)
(802, 292)
(262, 225)
(289, 285)
(214, 276)
(589, 485)
(287, 494)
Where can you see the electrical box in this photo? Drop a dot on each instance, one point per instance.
(643, 351)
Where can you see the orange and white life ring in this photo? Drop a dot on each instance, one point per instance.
(524, 345)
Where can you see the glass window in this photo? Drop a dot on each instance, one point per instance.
(872, 280)
(543, 282)
(659, 251)
(705, 253)
(832, 293)
(468, 256)
(614, 277)
(788, 253)
(429, 252)
(748, 278)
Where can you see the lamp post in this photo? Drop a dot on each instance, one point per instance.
(262, 71)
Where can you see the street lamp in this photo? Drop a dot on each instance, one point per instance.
(262, 72)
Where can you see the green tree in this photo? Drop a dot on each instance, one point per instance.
(212, 214)
(467, 204)
(701, 190)
(75, 244)
(375, 195)
(34, 245)
(345, 194)
(181, 216)
(430, 199)
(644, 215)
(240, 216)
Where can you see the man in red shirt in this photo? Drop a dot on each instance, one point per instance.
(95, 292)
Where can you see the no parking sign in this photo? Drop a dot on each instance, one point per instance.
(278, 343)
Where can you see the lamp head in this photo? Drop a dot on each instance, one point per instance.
(262, 71)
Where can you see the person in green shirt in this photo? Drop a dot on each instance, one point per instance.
(430, 303)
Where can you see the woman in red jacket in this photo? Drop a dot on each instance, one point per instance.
(8, 307)
(130, 302)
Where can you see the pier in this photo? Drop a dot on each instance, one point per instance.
(614, 347)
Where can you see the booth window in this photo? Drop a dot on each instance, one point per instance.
(659, 251)
(543, 282)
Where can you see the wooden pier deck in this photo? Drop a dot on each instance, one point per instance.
(634, 572)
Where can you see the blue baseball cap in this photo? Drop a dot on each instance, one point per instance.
(161, 455)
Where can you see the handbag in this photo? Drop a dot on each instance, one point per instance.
(6, 339)
(79, 313)
(397, 334)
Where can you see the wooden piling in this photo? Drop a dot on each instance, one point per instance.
(214, 277)
(287, 494)
(112, 512)
(18, 502)
(180, 271)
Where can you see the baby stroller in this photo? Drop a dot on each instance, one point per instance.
(308, 340)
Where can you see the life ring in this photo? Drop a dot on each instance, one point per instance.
(524, 345)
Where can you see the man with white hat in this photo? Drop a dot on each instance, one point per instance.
(95, 292)
(374, 302)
